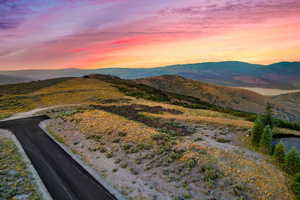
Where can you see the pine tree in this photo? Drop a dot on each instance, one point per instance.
(292, 162)
(279, 153)
(267, 117)
(296, 185)
(265, 144)
(257, 131)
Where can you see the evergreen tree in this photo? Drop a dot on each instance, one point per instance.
(267, 117)
(279, 153)
(265, 144)
(292, 162)
(257, 131)
(296, 185)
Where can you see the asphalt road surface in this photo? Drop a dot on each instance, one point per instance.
(64, 178)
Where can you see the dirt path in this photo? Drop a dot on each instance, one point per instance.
(35, 111)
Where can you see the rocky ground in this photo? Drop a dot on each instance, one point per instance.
(163, 158)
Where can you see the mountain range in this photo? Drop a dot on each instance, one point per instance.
(283, 75)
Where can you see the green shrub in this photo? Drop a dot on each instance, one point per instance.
(102, 149)
(257, 131)
(292, 162)
(109, 155)
(296, 185)
(267, 117)
(117, 161)
(210, 173)
(122, 134)
(222, 140)
(127, 146)
(115, 170)
(116, 140)
(279, 153)
(123, 165)
(191, 163)
(265, 144)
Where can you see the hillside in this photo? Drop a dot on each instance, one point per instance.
(234, 98)
(5, 79)
(284, 75)
(169, 89)
(148, 143)
(290, 101)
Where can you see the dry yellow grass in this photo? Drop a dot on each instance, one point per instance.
(197, 115)
(77, 90)
(199, 119)
(267, 181)
(74, 91)
(104, 123)
(188, 111)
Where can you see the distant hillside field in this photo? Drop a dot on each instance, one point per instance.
(284, 75)
(168, 89)
(235, 98)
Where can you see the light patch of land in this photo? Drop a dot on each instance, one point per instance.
(269, 92)
(158, 157)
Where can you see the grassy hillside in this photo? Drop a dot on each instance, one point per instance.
(24, 97)
(98, 88)
(149, 143)
(238, 99)
(234, 98)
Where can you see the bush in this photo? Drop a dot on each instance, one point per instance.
(265, 144)
(191, 163)
(109, 155)
(292, 162)
(296, 185)
(122, 134)
(279, 153)
(257, 131)
(116, 140)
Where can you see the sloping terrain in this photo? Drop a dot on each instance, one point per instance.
(24, 97)
(284, 75)
(290, 101)
(149, 150)
(152, 144)
(238, 99)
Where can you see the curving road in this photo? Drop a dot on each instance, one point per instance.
(64, 178)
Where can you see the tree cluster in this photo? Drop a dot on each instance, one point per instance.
(261, 138)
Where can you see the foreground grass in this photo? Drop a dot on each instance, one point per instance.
(15, 180)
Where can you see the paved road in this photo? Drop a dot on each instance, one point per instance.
(64, 178)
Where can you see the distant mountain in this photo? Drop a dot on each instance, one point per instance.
(234, 98)
(4, 79)
(284, 75)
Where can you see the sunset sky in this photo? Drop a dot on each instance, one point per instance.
(39, 34)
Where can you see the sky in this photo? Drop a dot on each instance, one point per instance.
(53, 34)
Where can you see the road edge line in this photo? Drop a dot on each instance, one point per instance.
(77, 158)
